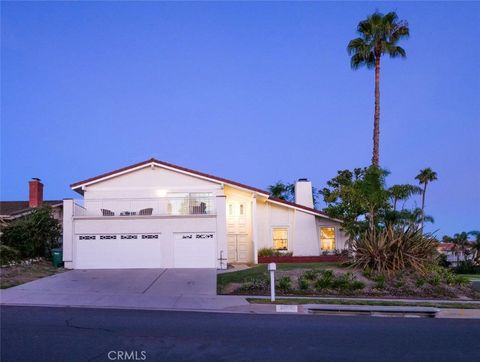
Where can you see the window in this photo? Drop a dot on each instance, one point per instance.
(230, 210)
(280, 238)
(327, 238)
(241, 209)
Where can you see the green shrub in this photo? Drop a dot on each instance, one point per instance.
(357, 285)
(33, 235)
(284, 284)
(255, 284)
(310, 275)
(269, 252)
(379, 281)
(467, 267)
(8, 254)
(420, 282)
(395, 248)
(325, 279)
(367, 273)
(303, 283)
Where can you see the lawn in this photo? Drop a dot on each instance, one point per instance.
(297, 301)
(261, 270)
(20, 274)
(472, 277)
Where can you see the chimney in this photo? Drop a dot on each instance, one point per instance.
(35, 187)
(303, 192)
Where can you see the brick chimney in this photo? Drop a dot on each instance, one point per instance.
(35, 187)
(303, 192)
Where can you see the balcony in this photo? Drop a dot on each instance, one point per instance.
(163, 206)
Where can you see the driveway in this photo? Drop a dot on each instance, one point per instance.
(124, 288)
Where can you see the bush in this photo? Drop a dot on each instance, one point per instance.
(269, 252)
(325, 279)
(284, 284)
(394, 248)
(347, 282)
(254, 284)
(380, 281)
(310, 275)
(303, 283)
(467, 267)
(33, 235)
(8, 254)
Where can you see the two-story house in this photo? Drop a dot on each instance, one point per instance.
(158, 215)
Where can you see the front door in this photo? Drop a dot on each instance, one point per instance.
(238, 248)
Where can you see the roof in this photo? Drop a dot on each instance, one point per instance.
(11, 208)
(77, 185)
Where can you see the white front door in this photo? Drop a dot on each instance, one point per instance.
(238, 229)
(239, 250)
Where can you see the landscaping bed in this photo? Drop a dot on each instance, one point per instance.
(299, 259)
(11, 276)
(333, 279)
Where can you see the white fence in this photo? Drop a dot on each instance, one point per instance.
(163, 206)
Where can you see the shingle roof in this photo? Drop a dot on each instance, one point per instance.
(10, 208)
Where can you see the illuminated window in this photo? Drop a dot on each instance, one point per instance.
(327, 238)
(280, 238)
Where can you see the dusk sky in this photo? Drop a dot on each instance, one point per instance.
(255, 92)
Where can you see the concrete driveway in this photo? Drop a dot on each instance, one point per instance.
(124, 288)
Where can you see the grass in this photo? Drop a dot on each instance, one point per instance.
(19, 274)
(472, 277)
(260, 271)
(297, 301)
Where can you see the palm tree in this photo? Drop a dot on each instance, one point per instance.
(402, 192)
(379, 35)
(475, 246)
(460, 240)
(282, 191)
(424, 177)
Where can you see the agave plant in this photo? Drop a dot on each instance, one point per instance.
(394, 248)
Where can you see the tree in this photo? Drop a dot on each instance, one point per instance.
(424, 177)
(475, 244)
(34, 234)
(402, 192)
(286, 191)
(357, 197)
(379, 35)
(283, 191)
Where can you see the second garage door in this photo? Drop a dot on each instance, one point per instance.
(195, 250)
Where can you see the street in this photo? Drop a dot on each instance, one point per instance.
(75, 334)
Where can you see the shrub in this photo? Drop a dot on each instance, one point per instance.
(379, 281)
(269, 252)
(325, 279)
(467, 267)
(254, 284)
(303, 283)
(394, 248)
(310, 275)
(33, 235)
(284, 284)
(8, 254)
(347, 282)
(420, 282)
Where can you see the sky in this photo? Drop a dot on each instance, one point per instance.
(254, 91)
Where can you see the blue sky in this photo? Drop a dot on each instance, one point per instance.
(255, 92)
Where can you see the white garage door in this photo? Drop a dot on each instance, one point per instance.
(195, 250)
(119, 251)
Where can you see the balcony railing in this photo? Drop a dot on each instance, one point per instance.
(163, 206)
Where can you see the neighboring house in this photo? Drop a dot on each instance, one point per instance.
(453, 253)
(157, 215)
(11, 210)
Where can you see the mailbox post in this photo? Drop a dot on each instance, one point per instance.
(271, 268)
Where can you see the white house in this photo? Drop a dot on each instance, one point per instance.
(157, 215)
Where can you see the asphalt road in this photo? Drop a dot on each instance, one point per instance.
(73, 334)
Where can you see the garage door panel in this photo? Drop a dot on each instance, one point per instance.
(195, 250)
(117, 253)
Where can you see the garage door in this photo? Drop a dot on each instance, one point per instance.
(118, 251)
(195, 250)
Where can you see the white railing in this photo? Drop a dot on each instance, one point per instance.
(163, 206)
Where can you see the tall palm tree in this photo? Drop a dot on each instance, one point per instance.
(424, 177)
(282, 191)
(379, 35)
(475, 244)
(402, 192)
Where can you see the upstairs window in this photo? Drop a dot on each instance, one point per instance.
(327, 238)
(280, 238)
